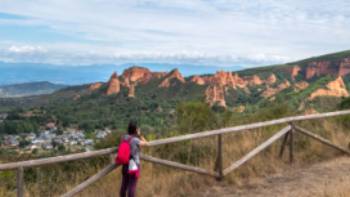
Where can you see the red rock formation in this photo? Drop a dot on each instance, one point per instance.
(238, 81)
(334, 88)
(174, 74)
(113, 86)
(215, 94)
(95, 86)
(136, 75)
(315, 69)
(271, 79)
(197, 80)
(133, 76)
(254, 80)
(344, 67)
(301, 85)
(295, 71)
(273, 91)
(228, 79)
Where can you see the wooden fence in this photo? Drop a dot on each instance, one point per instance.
(287, 133)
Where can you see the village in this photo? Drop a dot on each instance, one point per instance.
(53, 139)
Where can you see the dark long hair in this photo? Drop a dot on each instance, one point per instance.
(132, 127)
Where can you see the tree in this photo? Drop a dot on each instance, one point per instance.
(345, 103)
(194, 116)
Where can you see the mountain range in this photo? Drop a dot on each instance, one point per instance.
(307, 86)
(29, 89)
(314, 78)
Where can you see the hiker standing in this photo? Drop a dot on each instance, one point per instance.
(129, 158)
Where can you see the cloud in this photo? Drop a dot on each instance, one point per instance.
(217, 31)
(39, 54)
(26, 49)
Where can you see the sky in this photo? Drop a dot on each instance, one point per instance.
(204, 32)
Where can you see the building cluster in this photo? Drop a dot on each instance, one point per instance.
(3, 116)
(50, 139)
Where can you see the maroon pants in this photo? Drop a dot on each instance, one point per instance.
(128, 183)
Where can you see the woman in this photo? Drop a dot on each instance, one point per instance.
(129, 179)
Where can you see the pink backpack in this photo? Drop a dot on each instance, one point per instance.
(124, 151)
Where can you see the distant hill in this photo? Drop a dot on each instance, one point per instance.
(29, 89)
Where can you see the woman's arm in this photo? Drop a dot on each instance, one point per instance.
(143, 141)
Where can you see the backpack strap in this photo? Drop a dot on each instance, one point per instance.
(129, 139)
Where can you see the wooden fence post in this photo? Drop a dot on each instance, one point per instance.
(283, 145)
(112, 157)
(219, 158)
(19, 182)
(291, 142)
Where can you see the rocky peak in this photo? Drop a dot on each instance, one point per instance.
(197, 80)
(113, 86)
(174, 74)
(222, 78)
(254, 80)
(137, 75)
(334, 88)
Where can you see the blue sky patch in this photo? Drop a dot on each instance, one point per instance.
(11, 16)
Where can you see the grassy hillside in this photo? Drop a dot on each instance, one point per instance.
(281, 68)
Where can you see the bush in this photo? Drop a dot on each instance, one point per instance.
(345, 103)
(194, 116)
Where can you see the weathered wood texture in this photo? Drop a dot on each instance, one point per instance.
(283, 145)
(247, 127)
(257, 150)
(291, 143)
(20, 182)
(321, 139)
(177, 165)
(219, 158)
(58, 159)
(91, 180)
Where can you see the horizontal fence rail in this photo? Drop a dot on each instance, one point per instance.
(219, 172)
(247, 127)
(58, 159)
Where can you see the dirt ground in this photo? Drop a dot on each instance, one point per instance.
(327, 179)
